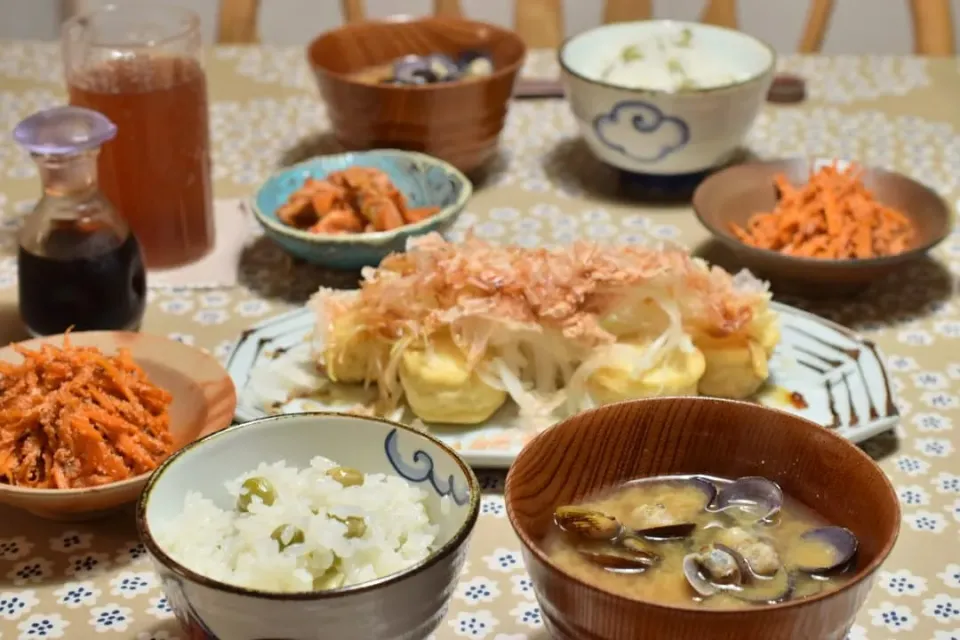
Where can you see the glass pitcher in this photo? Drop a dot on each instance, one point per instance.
(79, 264)
(141, 67)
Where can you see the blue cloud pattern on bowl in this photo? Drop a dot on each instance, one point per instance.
(421, 470)
(654, 131)
(423, 180)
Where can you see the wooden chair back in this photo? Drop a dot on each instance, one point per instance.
(541, 22)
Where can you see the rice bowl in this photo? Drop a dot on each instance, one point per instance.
(421, 501)
(317, 535)
(661, 97)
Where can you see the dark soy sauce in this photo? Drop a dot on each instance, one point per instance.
(86, 277)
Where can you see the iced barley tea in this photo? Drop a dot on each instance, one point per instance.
(157, 169)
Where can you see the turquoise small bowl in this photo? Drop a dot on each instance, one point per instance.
(424, 180)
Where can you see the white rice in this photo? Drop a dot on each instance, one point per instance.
(237, 548)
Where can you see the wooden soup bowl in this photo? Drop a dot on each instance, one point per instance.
(458, 122)
(606, 447)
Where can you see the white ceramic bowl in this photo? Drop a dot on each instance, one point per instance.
(407, 605)
(661, 132)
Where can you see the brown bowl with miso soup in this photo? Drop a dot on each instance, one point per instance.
(437, 85)
(693, 518)
(820, 227)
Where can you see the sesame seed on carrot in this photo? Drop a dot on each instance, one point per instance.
(834, 216)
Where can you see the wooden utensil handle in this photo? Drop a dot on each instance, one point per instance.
(786, 88)
(533, 89)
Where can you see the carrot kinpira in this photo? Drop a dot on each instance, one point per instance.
(73, 417)
(834, 216)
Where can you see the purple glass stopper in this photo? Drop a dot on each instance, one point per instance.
(64, 130)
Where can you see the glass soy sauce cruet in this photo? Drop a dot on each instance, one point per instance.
(79, 264)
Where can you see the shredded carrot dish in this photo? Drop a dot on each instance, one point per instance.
(355, 200)
(72, 417)
(833, 216)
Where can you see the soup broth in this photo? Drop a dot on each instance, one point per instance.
(429, 69)
(701, 541)
(376, 74)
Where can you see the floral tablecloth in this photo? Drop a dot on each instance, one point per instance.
(75, 581)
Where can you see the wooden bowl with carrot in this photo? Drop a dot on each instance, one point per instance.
(821, 227)
(351, 210)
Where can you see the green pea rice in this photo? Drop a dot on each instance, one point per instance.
(260, 548)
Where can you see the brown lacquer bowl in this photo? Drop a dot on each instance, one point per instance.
(617, 443)
(735, 194)
(459, 122)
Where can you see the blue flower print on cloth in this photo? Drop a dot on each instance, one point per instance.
(473, 624)
(902, 583)
(943, 608)
(493, 506)
(15, 604)
(70, 541)
(522, 586)
(130, 584)
(43, 626)
(527, 614)
(893, 618)
(86, 565)
(951, 576)
(504, 561)
(14, 548)
(641, 131)
(476, 590)
(132, 552)
(74, 595)
(30, 571)
(111, 617)
(160, 608)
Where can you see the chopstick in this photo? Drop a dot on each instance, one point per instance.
(786, 88)
(530, 89)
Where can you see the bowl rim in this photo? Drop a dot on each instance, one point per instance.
(621, 600)
(374, 238)
(348, 78)
(766, 72)
(457, 541)
(826, 263)
(31, 492)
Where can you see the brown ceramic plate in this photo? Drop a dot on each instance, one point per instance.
(458, 122)
(736, 193)
(204, 401)
(609, 446)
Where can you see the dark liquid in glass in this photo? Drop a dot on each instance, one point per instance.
(88, 278)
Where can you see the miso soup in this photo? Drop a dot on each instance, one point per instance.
(700, 540)
(429, 69)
